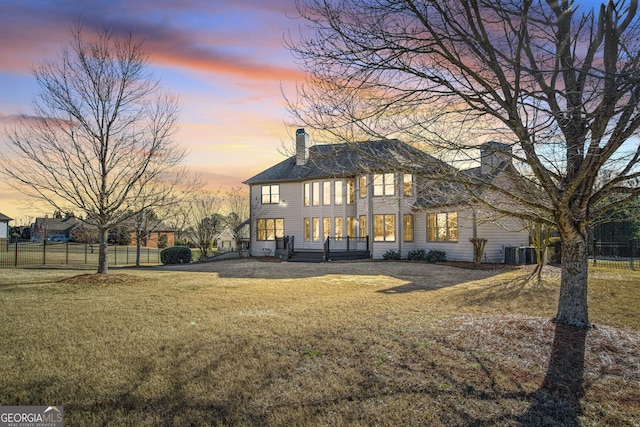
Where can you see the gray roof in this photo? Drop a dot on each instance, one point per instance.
(4, 218)
(52, 225)
(348, 160)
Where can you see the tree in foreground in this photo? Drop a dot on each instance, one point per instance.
(237, 204)
(101, 140)
(554, 81)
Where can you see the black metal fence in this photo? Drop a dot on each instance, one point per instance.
(34, 254)
(624, 255)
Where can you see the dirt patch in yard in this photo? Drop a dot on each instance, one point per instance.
(103, 279)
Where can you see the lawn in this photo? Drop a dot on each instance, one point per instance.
(245, 342)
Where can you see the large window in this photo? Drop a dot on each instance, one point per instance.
(316, 194)
(307, 194)
(442, 227)
(407, 184)
(270, 194)
(351, 189)
(270, 228)
(351, 226)
(316, 229)
(363, 187)
(338, 227)
(326, 227)
(383, 184)
(337, 191)
(362, 222)
(307, 229)
(384, 228)
(408, 228)
(326, 193)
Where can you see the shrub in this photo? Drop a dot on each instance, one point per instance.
(176, 255)
(392, 254)
(417, 255)
(436, 256)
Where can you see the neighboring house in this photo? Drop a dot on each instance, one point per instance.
(53, 229)
(151, 238)
(226, 241)
(343, 190)
(4, 230)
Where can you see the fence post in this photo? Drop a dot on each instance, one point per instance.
(633, 264)
(15, 261)
(594, 252)
(67, 252)
(85, 253)
(44, 251)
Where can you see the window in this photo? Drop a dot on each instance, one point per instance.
(270, 194)
(307, 194)
(384, 228)
(351, 190)
(337, 191)
(338, 227)
(383, 184)
(351, 226)
(408, 228)
(316, 194)
(363, 225)
(326, 193)
(363, 187)
(316, 229)
(407, 184)
(326, 227)
(270, 228)
(442, 227)
(307, 229)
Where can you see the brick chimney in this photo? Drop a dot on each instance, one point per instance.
(302, 147)
(493, 155)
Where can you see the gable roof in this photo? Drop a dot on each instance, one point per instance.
(52, 225)
(4, 218)
(347, 160)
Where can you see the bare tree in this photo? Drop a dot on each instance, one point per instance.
(205, 223)
(555, 81)
(101, 137)
(237, 218)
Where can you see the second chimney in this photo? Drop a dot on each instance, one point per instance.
(302, 147)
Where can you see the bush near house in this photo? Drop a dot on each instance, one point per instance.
(431, 256)
(176, 255)
(392, 254)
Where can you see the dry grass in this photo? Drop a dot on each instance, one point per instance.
(371, 343)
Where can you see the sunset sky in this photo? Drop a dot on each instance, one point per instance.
(225, 60)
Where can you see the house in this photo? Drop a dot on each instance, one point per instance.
(53, 229)
(157, 231)
(4, 230)
(374, 195)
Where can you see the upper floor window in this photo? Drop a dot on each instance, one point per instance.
(363, 187)
(337, 192)
(307, 194)
(383, 184)
(326, 193)
(316, 194)
(407, 184)
(442, 227)
(351, 189)
(270, 194)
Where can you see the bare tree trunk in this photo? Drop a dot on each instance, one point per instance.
(572, 305)
(138, 247)
(103, 264)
